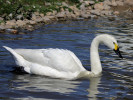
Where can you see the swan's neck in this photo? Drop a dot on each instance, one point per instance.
(94, 57)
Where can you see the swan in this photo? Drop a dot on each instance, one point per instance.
(61, 63)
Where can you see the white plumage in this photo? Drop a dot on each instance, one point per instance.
(60, 63)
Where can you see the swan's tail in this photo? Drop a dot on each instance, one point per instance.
(9, 49)
(19, 60)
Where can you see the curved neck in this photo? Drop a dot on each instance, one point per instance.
(94, 57)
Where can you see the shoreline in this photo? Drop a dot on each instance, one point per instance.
(86, 10)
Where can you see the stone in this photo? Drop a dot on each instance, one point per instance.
(114, 3)
(34, 17)
(73, 7)
(116, 12)
(39, 19)
(99, 6)
(131, 9)
(81, 1)
(13, 31)
(8, 26)
(84, 15)
(65, 4)
(46, 19)
(60, 15)
(11, 22)
(2, 30)
(77, 12)
(92, 16)
(95, 12)
(54, 12)
(58, 3)
(89, 8)
(20, 17)
(42, 15)
(67, 12)
(106, 12)
(37, 13)
(112, 18)
(82, 6)
(88, 12)
(1, 18)
(20, 23)
(62, 10)
(120, 3)
(73, 16)
(49, 14)
(29, 28)
(2, 27)
(87, 3)
(51, 18)
(2, 24)
(32, 22)
(7, 1)
(91, 2)
(106, 7)
(128, 2)
(107, 2)
(47, 4)
(10, 15)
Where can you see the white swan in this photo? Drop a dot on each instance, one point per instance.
(60, 63)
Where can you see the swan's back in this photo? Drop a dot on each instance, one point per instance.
(59, 59)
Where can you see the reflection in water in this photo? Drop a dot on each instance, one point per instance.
(41, 84)
(93, 88)
(38, 83)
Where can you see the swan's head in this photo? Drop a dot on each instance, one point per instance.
(111, 42)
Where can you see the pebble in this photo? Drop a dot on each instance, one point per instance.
(116, 12)
(13, 31)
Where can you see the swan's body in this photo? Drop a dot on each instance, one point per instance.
(60, 63)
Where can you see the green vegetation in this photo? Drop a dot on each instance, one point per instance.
(11, 9)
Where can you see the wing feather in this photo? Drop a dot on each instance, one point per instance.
(59, 59)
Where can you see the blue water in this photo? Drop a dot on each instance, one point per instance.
(116, 82)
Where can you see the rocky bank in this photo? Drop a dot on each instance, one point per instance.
(85, 10)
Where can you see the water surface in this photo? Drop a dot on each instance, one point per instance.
(115, 83)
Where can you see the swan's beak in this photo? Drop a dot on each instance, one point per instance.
(118, 52)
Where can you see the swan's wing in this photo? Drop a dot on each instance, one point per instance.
(59, 59)
(32, 55)
(63, 60)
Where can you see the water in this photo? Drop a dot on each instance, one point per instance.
(115, 83)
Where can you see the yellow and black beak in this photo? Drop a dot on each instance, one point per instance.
(117, 51)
